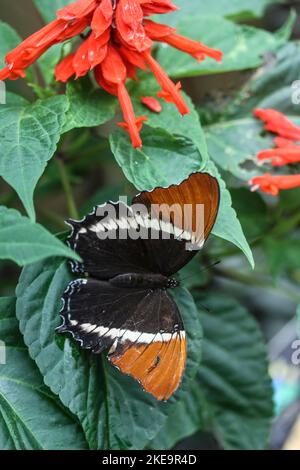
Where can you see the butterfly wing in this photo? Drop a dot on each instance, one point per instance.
(192, 207)
(163, 247)
(141, 328)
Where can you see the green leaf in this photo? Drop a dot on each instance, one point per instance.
(26, 242)
(274, 249)
(227, 225)
(272, 86)
(189, 416)
(9, 39)
(164, 159)
(252, 210)
(114, 411)
(234, 145)
(235, 9)
(88, 107)
(243, 46)
(48, 8)
(170, 119)
(28, 138)
(31, 418)
(234, 375)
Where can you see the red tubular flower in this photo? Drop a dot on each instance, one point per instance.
(278, 123)
(281, 156)
(280, 142)
(151, 103)
(118, 42)
(273, 184)
(160, 32)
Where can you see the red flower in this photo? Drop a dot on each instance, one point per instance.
(280, 142)
(273, 184)
(119, 41)
(286, 152)
(151, 103)
(278, 123)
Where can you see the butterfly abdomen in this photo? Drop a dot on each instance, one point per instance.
(148, 281)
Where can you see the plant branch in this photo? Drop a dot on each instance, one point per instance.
(73, 212)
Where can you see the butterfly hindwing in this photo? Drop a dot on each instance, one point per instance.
(141, 328)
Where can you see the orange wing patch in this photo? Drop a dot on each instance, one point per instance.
(198, 188)
(158, 366)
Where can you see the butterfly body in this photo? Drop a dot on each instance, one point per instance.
(148, 281)
(123, 302)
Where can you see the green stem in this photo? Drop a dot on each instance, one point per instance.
(73, 212)
(257, 281)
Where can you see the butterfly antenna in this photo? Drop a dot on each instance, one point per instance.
(205, 268)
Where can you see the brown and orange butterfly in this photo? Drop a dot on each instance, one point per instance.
(121, 302)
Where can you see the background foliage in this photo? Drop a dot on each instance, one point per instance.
(60, 154)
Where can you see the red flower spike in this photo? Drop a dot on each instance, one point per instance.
(280, 142)
(157, 31)
(160, 32)
(118, 41)
(170, 90)
(159, 7)
(129, 22)
(278, 123)
(102, 18)
(273, 184)
(77, 10)
(166, 96)
(133, 58)
(152, 104)
(132, 124)
(65, 69)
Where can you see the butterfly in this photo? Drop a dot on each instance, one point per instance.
(121, 302)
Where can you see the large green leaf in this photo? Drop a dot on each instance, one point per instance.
(251, 207)
(48, 8)
(235, 9)
(227, 225)
(190, 415)
(170, 119)
(31, 417)
(243, 46)
(234, 145)
(167, 159)
(234, 375)
(29, 134)
(88, 106)
(113, 410)
(274, 249)
(163, 160)
(26, 242)
(271, 86)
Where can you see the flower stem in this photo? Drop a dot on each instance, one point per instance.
(73, 212)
